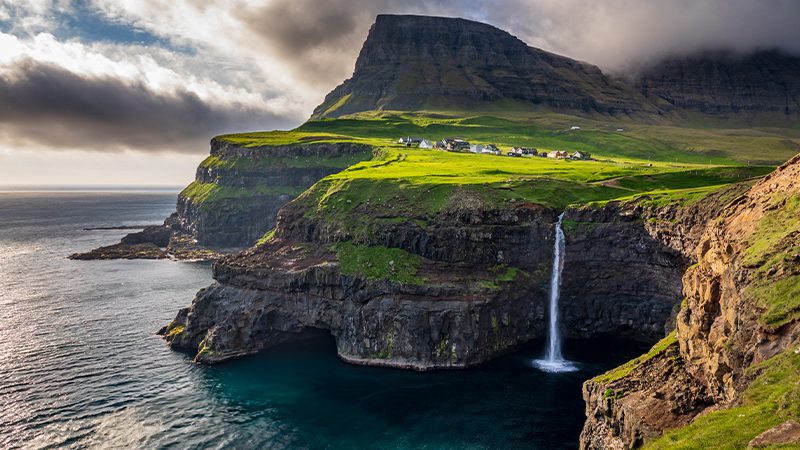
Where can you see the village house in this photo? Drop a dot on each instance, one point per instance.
(575, 128)
(454, 144)
(490, 149)
(522, 151)
(476, 148)
(409, 141)
(557, 154)
(580, 155)
(425, 144)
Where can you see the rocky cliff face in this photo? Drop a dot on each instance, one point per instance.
(737, 312)
(238, 190)
(456, 314)
(723, 84)
(234, 199)
(479, 289)
(415, 62)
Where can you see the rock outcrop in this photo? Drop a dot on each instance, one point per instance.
(234, 199)
(727, 324)
(458, 313)
(248, 185)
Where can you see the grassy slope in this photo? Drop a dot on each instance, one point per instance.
(700, 145)
(704, 145)
(771, 398)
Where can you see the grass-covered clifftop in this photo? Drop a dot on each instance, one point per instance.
(630, 160)
(705, 143)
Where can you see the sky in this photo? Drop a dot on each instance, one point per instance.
(131, 91)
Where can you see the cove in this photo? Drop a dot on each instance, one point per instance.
(302, 396)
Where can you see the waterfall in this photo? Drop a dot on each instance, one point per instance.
(553, 361)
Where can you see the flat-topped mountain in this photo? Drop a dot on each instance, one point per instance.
(417, 62)
(411, 63)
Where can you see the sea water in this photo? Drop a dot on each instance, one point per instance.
(81, 366)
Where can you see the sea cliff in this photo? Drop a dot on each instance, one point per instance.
(234, 199)
(735, 348)
(449, 288)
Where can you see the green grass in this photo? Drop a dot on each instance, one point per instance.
(693, 178)
(772, 251)
(253, 164)
(503, 273)
(210, 192)
(548, 131)
(266, 237)
(378, 263)
(644, 142)
(772, 398)
(623, 370)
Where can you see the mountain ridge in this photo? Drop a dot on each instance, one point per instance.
(419, 62)
(414, 63)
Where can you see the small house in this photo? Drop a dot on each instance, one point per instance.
(575, 128)
(425, 144)
(454, 144)
(557, 154)
(409, 141)
(580, 155)
(476, 148)
(490, 149)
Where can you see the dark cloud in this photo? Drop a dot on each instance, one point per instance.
(46, 105)
(319, 40)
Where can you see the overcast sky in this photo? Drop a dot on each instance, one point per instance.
(130, 91)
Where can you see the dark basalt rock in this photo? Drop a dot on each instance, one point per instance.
(200, 231)
(144, 250)
(723, 84)
(620, 278)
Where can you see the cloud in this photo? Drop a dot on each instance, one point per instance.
(619, 34)
(319, 40)
(43, 104)
(215, 66)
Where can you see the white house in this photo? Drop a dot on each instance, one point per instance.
(409, 141)
(476, 148)
(580, 155)
(575, 128)
(425, 144)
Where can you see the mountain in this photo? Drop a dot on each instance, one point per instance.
(411, 63)
(419, 62)
(721, 83)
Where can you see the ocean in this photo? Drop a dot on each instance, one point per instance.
(81, 366)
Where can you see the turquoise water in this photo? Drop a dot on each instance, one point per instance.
(81, 367)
